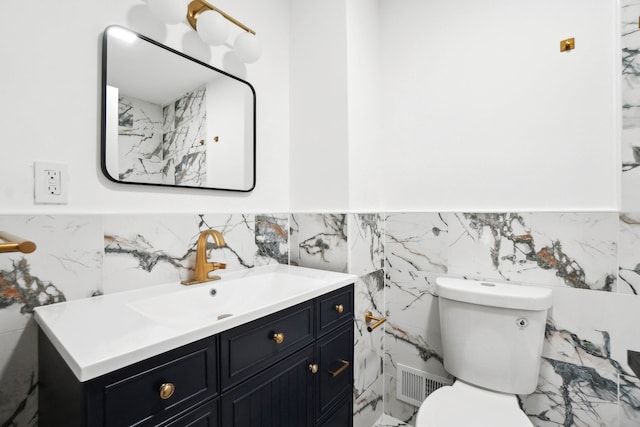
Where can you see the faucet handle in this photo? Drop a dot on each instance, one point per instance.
(218, 265)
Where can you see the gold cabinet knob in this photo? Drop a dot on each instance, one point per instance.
(339, 308)
(313, 368)
(278, 337)
(166, 390)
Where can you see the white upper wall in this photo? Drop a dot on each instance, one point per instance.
(50, 111)
(319, 121)
(481, 111)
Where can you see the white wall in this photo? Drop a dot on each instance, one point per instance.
(319, 122)
(50, 87)
(367, 172)
(482, 112)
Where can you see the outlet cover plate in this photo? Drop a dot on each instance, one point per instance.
(51, 183)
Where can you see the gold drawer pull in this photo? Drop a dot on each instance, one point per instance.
(166, 390)
(339, 308)
(278, 337)
(345, 365)
(313, 368)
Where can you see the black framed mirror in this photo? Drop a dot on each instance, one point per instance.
(171, 120)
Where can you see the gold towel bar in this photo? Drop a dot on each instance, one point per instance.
(368, 318)
(15, 244)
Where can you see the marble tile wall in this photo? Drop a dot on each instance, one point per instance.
(584, 379)
(184, 136)
(630, 138)
(140, 156)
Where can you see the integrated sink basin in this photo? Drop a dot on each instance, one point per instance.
(214, 301)
(99, 335)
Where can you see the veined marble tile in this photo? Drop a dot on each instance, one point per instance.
(142, 251)
(570, 395)
(368, 350)
(564, 249)
(66, 265)
(416, 242)
(18, 376)
(140, 157)
(319, 241)
(272, 239)
(592, 329)
(629, 254)
(366, 236)
(190, 107)
(412, 333)
(184, 151)
(629, 398)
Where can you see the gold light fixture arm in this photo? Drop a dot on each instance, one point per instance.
(11, 243)
(196, 7)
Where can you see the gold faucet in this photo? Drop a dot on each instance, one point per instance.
(204, 267)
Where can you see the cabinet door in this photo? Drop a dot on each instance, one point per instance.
(203, 416)
(281, 396)
(335, 358)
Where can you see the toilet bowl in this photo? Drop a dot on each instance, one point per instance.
(464, 405)
(492, 336)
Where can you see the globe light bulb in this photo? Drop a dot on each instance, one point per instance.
(247, 47)
(212, 28)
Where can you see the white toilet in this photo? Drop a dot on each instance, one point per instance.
(492, 335)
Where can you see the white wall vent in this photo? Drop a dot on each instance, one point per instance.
(413, 386)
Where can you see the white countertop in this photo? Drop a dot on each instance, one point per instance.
(99, 335)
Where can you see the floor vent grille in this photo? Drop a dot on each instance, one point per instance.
(413, 385)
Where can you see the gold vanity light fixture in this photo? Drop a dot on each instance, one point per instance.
(12, 243)
(211, 24)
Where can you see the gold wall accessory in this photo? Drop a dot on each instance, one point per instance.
(12, 243)
(339, 308)
(278, 337)
(368, 318)
(345, 365)
(568, 44)
(204, 267)
(196, 7)
(166, 390)
(313, 368)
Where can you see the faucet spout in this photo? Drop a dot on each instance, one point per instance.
(203, 266)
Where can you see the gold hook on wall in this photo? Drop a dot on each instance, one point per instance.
(12, 243)
(368, 318)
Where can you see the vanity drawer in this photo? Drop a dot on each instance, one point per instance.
(334, 309)
(136, 397)
(252, 347)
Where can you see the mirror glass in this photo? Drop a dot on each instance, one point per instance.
(171, 120)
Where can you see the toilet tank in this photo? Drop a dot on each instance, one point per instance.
(492, 333)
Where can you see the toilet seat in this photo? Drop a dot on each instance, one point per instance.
(463, 404)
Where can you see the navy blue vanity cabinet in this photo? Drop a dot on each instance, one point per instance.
(292, 368)
(145, 393)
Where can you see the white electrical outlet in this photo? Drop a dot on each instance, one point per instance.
(51, 183)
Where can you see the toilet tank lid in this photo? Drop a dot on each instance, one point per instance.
(495, 294)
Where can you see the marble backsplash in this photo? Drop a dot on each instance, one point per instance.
(589, 259)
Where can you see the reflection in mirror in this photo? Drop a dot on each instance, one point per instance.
(172, 120)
